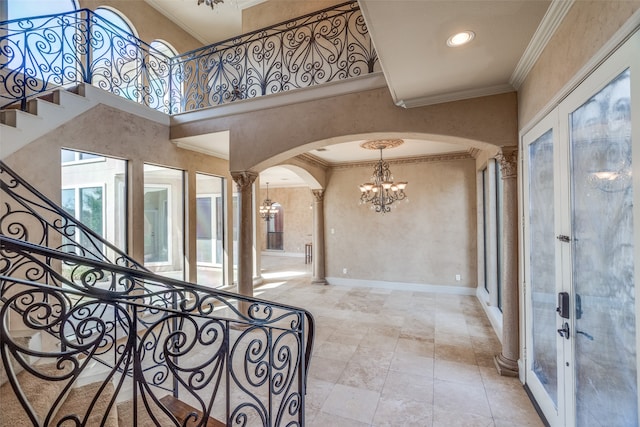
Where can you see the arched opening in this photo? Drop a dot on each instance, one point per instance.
(116, 57)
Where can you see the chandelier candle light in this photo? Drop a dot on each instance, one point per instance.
(210, 2)
(267, 208)
(382, 191)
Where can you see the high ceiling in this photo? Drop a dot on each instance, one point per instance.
(410, 39)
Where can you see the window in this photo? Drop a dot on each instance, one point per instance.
(210, 221)
(157, 68)
(275, 235)
(70, 156)
(17, 9)
(94, 191)
(491, 232)
(87, 205)
(116, 62)
(35, 50)
(164, 220)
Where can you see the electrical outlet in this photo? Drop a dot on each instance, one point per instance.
(458, 277)
(344, 270)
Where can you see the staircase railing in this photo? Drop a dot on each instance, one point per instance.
(42, 53)
(232, 358)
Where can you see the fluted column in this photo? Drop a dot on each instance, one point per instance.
(244, 181)
(318, 238)
(507, 361)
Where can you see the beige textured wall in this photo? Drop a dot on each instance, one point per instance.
(256, 143)
(149, 23)
(585, 29)
(298, 217)
(428, 240)
(276, 11)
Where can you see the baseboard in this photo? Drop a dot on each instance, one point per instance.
(401, 286)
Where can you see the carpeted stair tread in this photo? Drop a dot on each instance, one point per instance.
(125, 415)
(41, 395)
(17, 367)
(78, 402)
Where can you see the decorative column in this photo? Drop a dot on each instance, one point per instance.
(507, 361)
(244, 181)
(318, 238)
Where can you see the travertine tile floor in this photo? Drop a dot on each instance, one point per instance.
(398, 358)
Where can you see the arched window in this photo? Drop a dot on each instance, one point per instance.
(159, 78)
(38, 59)
(116, 55)
(17, 9)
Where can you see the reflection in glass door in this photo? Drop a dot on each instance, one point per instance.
(603, 264)
(543, 351)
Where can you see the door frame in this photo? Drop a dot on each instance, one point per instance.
(624, 56)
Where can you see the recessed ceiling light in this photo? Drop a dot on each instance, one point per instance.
(461, 38)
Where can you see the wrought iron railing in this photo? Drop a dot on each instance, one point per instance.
(233, 358)
(42, 53)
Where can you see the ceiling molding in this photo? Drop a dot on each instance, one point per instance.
(446, 157)
(312, 160)
(547, 28)
(455, 96)
(200, 149)
(621, 36)
(473, 152)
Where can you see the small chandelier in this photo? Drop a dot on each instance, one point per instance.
(382, 191)
(267, 208)
(210, 2)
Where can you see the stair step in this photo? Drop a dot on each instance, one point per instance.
(126, 415)
(79, 400)
(182, 411)
(39, 393)
(17, 367)
(18, 118)
(42, 107)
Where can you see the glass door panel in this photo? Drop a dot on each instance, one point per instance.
(540, 271)
(603, 258)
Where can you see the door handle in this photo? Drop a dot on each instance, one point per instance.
(564, 331)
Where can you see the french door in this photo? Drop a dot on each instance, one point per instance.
(580, 249)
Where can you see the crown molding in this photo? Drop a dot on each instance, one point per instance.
(312, 160)
(547, 28)
(454, 96)
(445, 157)
(622, 35)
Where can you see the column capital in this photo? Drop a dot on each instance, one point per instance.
(507, 157)
(244, 179)
(318, 195)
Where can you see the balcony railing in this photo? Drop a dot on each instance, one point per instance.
(43, 53)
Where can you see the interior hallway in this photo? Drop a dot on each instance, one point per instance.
(398, 358)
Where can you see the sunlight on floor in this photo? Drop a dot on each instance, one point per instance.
(283, 274)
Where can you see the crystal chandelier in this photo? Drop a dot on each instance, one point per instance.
(267, 208)
(382, 191)
(210, 2)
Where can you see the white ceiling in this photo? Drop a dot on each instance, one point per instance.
(410, 39)
(203, 23)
